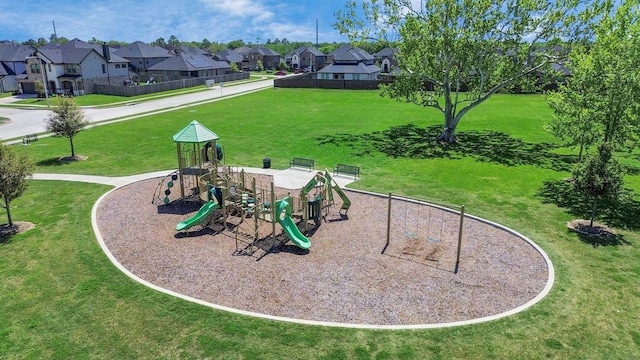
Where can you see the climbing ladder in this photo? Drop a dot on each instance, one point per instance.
(164, 189)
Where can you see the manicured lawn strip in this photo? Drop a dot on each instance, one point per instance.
(288, 124)
(64, 298)
(109, 100)
(97, 99)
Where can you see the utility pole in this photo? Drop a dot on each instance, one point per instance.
(55, 34)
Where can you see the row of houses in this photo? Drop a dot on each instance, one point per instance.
(74, 67)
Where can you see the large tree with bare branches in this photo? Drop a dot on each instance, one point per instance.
(455, 54)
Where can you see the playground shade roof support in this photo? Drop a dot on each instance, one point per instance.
(195, 133)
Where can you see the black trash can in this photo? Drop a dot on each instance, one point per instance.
(266, 163)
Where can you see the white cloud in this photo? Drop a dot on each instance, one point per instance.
(188, 20)
(239, 8)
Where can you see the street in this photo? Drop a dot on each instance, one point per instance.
(24, 121)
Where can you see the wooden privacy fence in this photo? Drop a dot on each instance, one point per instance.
(307, 82)
(143, 88)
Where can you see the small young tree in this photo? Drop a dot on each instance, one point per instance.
(234, 67)
(39, 88)
(66, 120)
(575, 119)
(259, 65)
(599, 177)
(15, 171)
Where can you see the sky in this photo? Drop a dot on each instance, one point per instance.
(254, 21)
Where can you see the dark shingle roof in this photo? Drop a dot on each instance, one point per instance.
(360, 68)
(266, 51)
(15, 53)
(261, 50)
(350, 53)
(192, 50)
(386, 52)
(302, 49)
(243, 49)
(189, 62)
(139, 49)
(74, 49)
(4, 70)
(69, 55)
(229, 56)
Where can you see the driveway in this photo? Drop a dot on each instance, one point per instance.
(26, 121)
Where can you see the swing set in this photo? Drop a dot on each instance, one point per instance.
(414, 232)
(422, 226)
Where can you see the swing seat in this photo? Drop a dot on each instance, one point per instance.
(410, 234)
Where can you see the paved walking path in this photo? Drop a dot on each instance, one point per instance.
(287, 179)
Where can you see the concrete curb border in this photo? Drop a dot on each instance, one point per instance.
(122, 181)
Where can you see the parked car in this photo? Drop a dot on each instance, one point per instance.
(281, 73)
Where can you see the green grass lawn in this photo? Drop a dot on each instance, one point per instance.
(99, 100)
(60, 297)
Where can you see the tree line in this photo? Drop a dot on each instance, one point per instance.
(281, 46)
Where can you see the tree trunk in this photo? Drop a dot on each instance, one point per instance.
(450, 123)
(73, 153)
(6, 206)
(593, 211)
(447, 135)
(580, 153)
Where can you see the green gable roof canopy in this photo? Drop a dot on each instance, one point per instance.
(195, 133)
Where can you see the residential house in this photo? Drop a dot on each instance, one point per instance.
(386, 59)
(251, 55)
(74, 67)
(190, 65)
(191, 50)
(13, 65)
(306, 57)
(350, 63)
(230, 57)
(142, 56)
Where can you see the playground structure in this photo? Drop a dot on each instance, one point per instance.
(232, 198)
(244, 206)
(198, 154)
(322, 198)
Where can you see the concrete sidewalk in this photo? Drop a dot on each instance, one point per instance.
(105, 180)
(14, 98)
(288, 179)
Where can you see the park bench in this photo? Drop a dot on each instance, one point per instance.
(302, 162)
(29, 139)
(347, 170)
